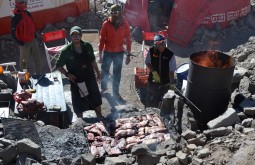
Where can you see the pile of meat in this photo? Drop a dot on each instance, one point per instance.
(121, 135)
(26, 104)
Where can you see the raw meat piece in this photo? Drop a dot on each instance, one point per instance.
(127, 126)
(89, 127)
(90, 136)
(152, 123)
(141, 131)
(148, 116)
(157, 120)
(132, 139)
(102, 128)
(143, 123)
(115, 151)
(149, 130)
(96, 131)
(123, 133)
(97, 143)
(103, 138)
(167, 136)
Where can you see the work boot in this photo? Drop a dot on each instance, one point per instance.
(102, 91)
(98, 111)
(119, 99)
(79, 115)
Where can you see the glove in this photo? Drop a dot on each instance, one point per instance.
(156, 77)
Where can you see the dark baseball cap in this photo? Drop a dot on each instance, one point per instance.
(75, 29)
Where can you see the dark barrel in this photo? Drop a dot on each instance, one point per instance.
(209, 84)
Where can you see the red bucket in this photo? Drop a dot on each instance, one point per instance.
(141, 77)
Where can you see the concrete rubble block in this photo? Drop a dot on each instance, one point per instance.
(1, 146)
(77, 161)
(237, 98)
(228, 118)
(251, 88)
(188, 134)
(29, 147)
(203, 153)
(88, 159)
(239, 127)
(250, 111)
(163, 159)
(241, 56)
(200, 140)
(167, 145)
(49, 162)
(242, 116)
(170, 154)
(247, 103)
(25, 159)
(149, 158)
(248, 130)
(140, 149)
(114, 161)
(167, 106)
(191, 147)
(64, 161)
(9, 154)
(128, 158)
(222, 131)
(245, 154)
(197, 161)
(253, 124)
(183, 157)
(247, 122)
(173, 161)
(244, 85)
(239, 73)
(6, 142)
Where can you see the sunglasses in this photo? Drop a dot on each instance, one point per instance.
(22, 2)
(75, 36)
(115, 12)
(160, 43)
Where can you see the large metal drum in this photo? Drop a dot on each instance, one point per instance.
(209, 84)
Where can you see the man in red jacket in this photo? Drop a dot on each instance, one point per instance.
(115, 30)
(23, 31)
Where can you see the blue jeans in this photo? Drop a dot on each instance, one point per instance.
(117, 60)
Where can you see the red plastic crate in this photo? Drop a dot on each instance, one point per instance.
(141, 77)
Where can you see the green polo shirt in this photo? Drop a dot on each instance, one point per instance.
(78, 64)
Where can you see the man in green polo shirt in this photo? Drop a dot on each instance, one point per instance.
(79, 59)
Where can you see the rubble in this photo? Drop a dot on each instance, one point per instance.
(230, 139)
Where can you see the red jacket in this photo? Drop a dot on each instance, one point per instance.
(22, 26)
(112, 39)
